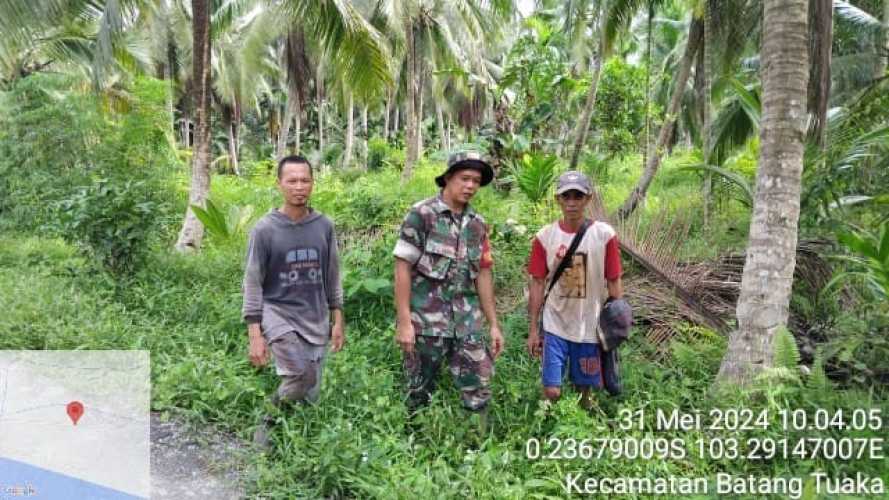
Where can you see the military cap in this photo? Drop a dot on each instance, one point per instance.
(467, 159)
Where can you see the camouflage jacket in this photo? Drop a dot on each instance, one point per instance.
(446, 253)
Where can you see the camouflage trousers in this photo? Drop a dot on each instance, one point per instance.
(469, 362)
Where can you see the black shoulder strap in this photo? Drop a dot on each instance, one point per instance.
(567, 258)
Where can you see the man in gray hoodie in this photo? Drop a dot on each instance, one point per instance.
(292, 289)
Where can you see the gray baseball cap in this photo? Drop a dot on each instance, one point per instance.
(573, 179)
(467, 159)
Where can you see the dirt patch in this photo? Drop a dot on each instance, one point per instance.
(190, 462)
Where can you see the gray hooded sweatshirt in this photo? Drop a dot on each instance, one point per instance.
(292, 276)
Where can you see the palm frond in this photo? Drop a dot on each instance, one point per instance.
(732, 177)
(736, 121)
(110, 26)
(735, 29)
(850, 74)
(472, 16)
(22, 21)
(619, 15)
(357, 50)
(861, 19)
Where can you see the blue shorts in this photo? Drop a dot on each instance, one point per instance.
(583, 360)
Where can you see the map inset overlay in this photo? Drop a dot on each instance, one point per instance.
(44, 454)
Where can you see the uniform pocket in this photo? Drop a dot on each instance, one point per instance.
(474, 248)
(436, 260)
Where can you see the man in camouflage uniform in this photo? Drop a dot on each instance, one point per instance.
(443, 285)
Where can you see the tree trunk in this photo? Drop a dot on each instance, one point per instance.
(766, 283)
(421, 97)
(705, 68)
(296, 64)
(654, 159)
(274, 125)
(439, 123)
(297, 141)
(565, 133)
(883, 61)
(185, 129)
(233, 147)
(647, 150)
(395, 123)
(448, 132)
(412, 126)
(820, 44)
(171, 77)
(386, 115)
(321, 126)
(439, 118)
(192, 232)
(170, 110)
(364, 138)
(319, 91)
(284, 131)
(586, 116)
(350, 132)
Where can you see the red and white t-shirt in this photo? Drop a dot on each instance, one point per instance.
(572, 309)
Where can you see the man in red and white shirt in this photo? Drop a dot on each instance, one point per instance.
(570, 336)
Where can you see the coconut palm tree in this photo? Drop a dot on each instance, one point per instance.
(603, 45)
(730, 29)
(653, 162)
(192, 233)
(168, 32)
(241, 72)
(443, 31)
(298, 71)
(766, 283)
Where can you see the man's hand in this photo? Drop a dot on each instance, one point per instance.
(496, 341)
(535, 305)
(405, 336)
(338, 331)
(337, 337)
(259, 353)
(535, 345)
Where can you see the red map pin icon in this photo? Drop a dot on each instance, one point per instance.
(75, 411)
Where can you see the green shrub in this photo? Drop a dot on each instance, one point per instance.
(55, 139)
(331, 154)
(250, 169)
(378, 150)
(111, 221)
(396, 158)
(44, 145)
